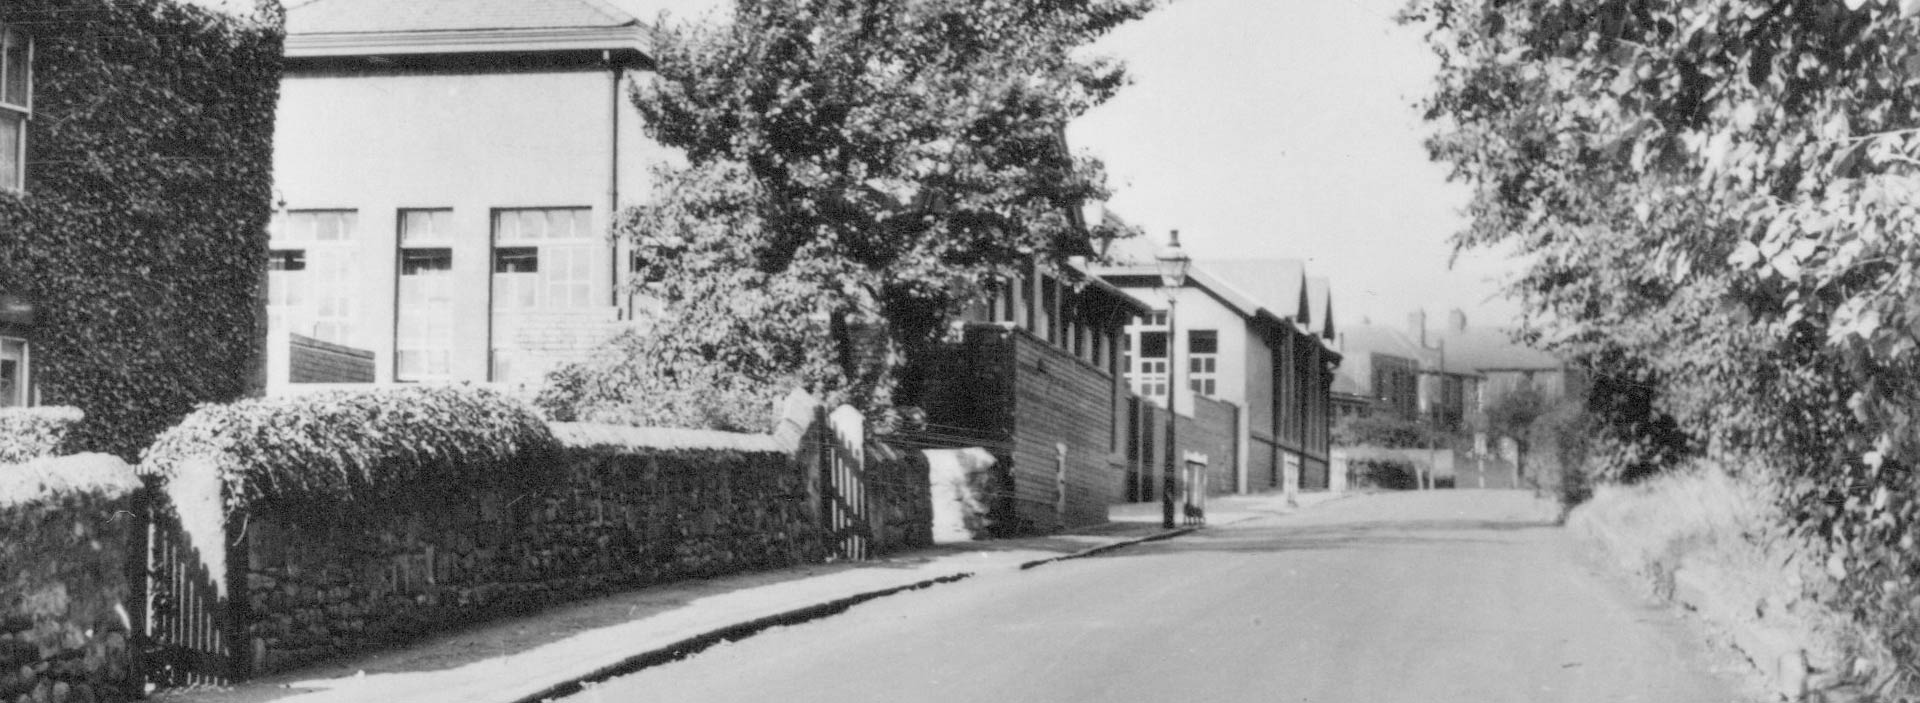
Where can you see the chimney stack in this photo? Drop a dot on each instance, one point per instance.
(1417, 327)
(1457, 320)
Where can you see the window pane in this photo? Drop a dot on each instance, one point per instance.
(423, 262)
(11, 132)
(1203, 341)
(13, 373)
(425, 226)
(1153, 345)
(14, 89)
(516, 260)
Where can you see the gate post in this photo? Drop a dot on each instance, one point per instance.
(237, 613)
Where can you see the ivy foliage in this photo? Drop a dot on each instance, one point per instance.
(858, 164)
(352, 445)
(141, 235)
(1718, 202)
(32, 433)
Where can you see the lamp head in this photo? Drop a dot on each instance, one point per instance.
(1174, 262)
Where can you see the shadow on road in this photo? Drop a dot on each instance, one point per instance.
(1264, 537)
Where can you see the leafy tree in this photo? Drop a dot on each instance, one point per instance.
(1717, 200)
(856, 171)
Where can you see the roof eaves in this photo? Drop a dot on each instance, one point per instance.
(627, 37)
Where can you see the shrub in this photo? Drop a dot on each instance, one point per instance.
(1385, 431)
(351, 444)
(1391, 474)
(31, 433)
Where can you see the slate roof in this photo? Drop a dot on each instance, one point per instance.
(1369, 339)
(379, 16)
(1488, 349)
(1279, 285)
(1320, 303)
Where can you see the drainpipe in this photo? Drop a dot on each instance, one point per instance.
(613, 177)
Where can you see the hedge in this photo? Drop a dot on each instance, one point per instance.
(31, 433)
(141, 234)
(351, 444)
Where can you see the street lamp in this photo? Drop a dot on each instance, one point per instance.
(1173, 264)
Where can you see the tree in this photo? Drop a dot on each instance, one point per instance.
(859, 166)
(1717, 201)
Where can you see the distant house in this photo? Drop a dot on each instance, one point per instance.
(134, 153)
(1448, 375)
(448, 172)
(1255, 335)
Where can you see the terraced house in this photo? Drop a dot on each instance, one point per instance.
(447, 172)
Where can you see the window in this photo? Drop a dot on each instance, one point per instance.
(1203, 360)
(13, 372)
(544, 259)
(1150, 365)
(423, 338)
(16, 106)
(310, 270)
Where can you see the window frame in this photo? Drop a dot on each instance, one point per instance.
(23, 112)
(24, 372)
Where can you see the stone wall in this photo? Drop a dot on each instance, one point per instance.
(63, 577)
(378, 574)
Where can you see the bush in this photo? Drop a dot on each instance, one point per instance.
(1390, 474)
(31, 433)
(351, 444)
(1385, 431)
(639, 380)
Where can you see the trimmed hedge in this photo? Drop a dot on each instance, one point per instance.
(351, 444)
(31, 433)
(141, 236)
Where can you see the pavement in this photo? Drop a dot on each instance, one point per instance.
(553, 652)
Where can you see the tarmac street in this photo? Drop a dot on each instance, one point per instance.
(1468, 596)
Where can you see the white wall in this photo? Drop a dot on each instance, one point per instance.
(381, 142)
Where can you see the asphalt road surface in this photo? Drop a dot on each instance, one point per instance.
(1464, 596)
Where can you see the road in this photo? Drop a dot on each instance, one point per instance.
(1464, 596)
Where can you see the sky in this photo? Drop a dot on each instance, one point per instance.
(1268, 129)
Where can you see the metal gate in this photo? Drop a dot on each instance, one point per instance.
(1193, 490)
(186, 625)
(847, 508)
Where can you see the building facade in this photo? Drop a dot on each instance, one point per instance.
(1034, 376)
(1248, 335)
(448, 173)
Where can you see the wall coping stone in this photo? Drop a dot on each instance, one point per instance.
(43, 478)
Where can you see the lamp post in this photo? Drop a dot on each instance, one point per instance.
(1173, 263)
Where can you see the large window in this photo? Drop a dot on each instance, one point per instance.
(13, 372)
(16, 106)
(1203, 361)
(543, 260)
(310, 268)
(423, 335)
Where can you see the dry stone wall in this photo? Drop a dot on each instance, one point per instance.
(375, 575)
(64, 529)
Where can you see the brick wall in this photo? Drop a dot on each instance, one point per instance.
(1211, 431)
(316, 361)
(1024, 399)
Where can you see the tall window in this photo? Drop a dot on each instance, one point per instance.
(1149, 375)
(1203, 361)
(423, 340)
(543, 259)
(16, 106)
(310, 268)
(13, 372)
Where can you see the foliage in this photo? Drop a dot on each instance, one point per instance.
(142, 232)
(1387, 474)
(31, 433)
(1385, 430)
(53, 478)
(1717, 200)
(645, 380)
(875, 163)
(352, 444)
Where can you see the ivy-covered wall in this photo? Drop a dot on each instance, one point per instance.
(141, 236)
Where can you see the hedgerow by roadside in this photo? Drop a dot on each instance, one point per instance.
(32, 433)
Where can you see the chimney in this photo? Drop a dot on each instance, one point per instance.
(1457, 320)
(1417, 327)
